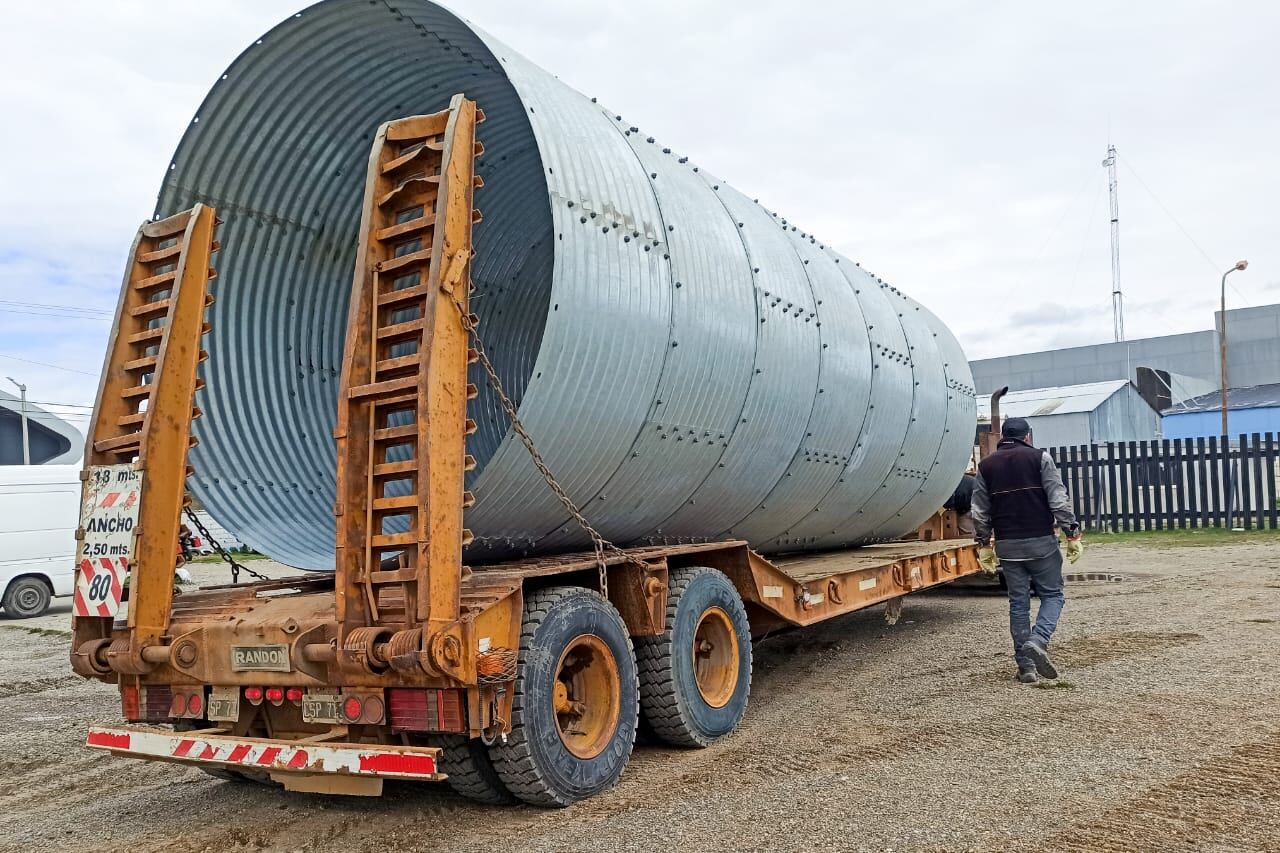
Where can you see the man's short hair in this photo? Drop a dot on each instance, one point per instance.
(1015, 428)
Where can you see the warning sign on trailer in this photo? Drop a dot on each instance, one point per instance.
(108, 517)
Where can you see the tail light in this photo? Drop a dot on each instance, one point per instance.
(363, 708)
(275, 695)
(413, 710)
(146, 703)
(187, 703)
(294, 695)
(254, 695)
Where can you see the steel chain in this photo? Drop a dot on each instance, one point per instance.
(600, 544)
(236, 567)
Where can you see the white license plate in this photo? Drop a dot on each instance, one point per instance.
(224, 704)
(322, 708)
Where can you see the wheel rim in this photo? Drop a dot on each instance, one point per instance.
(28, 599)
(587, 696)
(715, 657)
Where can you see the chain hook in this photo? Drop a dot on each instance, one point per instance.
(600, 545)
(236, 567)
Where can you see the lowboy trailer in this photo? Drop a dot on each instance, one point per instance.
(519, 680)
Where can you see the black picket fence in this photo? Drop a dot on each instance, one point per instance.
(1172, 484)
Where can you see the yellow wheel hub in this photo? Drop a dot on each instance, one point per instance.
(715, 657)
(588, 696)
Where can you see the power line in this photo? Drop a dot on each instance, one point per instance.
(77, 308)
(46, 364)
(66, 405)
(100, 319)
(54, 417)
(1084, 244)
(1067, 209)
(1217, 268)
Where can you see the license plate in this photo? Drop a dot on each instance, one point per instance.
(224, 704)
(322, 708)
(269, 658)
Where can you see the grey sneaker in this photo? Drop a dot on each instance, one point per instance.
(1037, 653)
(1028, 675)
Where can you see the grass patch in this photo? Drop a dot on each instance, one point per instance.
(1057, 684)
(39, 632)
(1202, 537)
(247, 557)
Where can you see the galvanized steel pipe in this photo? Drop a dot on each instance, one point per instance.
(691, 365)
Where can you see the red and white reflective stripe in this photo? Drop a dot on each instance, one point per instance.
(100, 585)
(356, 759)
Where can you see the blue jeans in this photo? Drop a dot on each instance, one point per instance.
(1043, 576)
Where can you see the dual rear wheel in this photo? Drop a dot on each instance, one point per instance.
(582, 686)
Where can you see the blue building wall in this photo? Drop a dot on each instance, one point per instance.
(1204, 424)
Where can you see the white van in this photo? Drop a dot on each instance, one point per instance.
(39, 512)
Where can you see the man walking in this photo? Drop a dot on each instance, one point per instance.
(1018, 495)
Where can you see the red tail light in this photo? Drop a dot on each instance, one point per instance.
(367, 708)
(275, 695)
(178, 706)
(294, 695)
(416, 710)
(253, 694)
(150, 703)
(195, 705)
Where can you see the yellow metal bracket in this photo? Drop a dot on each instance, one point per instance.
(402, 411)
(142, 417)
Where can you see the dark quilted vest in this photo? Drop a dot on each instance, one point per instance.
(1019, 506)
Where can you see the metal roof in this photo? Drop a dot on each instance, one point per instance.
(1252, 397)
(47, 429)
(1041, 402)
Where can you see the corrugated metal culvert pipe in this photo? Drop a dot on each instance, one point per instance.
(691, 365)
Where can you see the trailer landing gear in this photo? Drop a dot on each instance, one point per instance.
(576, 700)
(696, 676)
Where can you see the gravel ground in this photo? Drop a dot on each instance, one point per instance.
(1164, 734)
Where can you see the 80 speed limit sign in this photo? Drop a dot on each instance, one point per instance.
(108, 517)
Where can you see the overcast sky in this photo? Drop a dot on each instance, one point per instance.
(953, 148)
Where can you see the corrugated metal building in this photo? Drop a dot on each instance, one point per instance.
(1091, 413)
(1253, 342)
(53, 441)
(1249, 410)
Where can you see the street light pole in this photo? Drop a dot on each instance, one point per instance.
(26, 438)
(1222, 341)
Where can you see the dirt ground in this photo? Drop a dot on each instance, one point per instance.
(1164, 734)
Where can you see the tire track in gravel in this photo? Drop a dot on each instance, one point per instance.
(1106, 648)
(1101, 649)
(1228, 800)
(38, 685)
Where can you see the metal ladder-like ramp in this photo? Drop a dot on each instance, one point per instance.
(402, 409)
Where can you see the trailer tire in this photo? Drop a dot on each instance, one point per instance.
(470, 770)
(681, 710)
(576, 702)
